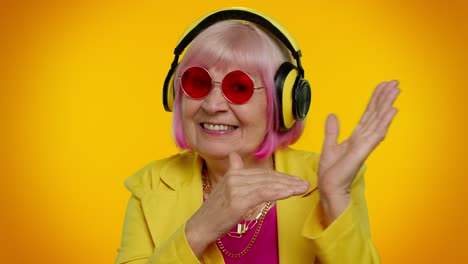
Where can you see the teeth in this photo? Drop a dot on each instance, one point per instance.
(218, 127)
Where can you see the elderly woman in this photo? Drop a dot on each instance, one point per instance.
(238, 193)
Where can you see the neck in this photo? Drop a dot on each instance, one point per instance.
(215, 169)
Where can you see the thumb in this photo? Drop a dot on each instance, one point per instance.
(235, 161)
(332, 130)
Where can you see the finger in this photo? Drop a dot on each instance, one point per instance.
(363, 126)
(372, 107)
(388, 101)
(269, 173)
(376, 128)
(235, 161)
(369, 127)
(382, 127)
(375, 96)
(332, 129)
(309, 191)
(386, 91)
(387, 97)
(365, 117)
(289, 177)
(273, 191)
(263, 179)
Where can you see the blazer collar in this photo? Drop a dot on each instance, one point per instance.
(181, 170)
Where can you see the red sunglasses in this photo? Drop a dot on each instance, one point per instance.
(237, 86)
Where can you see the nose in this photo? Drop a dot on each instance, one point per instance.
(215, 101)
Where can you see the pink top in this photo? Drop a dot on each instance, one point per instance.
(265, 248)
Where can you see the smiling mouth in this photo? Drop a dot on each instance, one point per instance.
(214, 127)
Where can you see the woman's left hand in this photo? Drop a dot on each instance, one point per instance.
(339, 163)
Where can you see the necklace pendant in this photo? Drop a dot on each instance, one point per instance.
(241, 228)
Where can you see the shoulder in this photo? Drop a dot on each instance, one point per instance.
(297, 153)
(303, 164)
(148, 177)
(298, 157)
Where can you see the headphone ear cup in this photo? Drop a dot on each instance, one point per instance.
(285, 80)
(302, 96)
(293, 95)
(168, 91)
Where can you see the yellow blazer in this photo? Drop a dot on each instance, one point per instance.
(166, 193)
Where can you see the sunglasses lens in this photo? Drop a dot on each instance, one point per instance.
(196, 82)
(237, 87)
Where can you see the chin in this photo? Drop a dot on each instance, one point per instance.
(220, 152)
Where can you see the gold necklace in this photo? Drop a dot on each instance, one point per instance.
(242, 228)
(223, 249)
(205, 181)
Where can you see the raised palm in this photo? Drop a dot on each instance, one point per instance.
(339, 162)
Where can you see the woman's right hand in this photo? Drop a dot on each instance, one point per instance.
(238, 191)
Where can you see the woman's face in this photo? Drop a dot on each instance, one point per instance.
(215, 127)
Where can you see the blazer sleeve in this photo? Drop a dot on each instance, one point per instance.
(137, 247)
(347, 239)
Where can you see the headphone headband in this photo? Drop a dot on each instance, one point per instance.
(239, 13)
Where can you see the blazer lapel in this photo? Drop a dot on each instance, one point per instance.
(292, 212)
(175, 196)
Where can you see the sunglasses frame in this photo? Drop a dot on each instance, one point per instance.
(217, 82)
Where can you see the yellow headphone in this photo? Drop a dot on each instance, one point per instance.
(292, 90)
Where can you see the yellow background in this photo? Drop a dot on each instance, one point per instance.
(80, 110)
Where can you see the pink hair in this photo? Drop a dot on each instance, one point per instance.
(228, 42)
